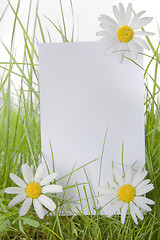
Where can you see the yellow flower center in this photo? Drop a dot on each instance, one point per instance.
(126, 193)
(33, 190)
(125, 34)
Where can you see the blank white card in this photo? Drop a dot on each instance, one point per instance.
(83, 94)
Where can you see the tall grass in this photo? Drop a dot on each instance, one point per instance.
(20, 142)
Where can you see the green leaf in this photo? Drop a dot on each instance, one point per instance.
(4, 225)
(21, 227)
(4, 208)
(31, 222)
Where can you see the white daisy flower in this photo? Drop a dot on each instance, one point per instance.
(33, 189)
(124, 34)
(127, 194)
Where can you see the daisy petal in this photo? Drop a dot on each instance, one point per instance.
(145, 190)
(52, 189)
(109, 20)
(14, 190)
(136, 211)
(114, 208)
(17, 199)
(117, 15)
(132, 47)
(140, 42)
(141, 203)
(142, 22)
(47, 202)
(142, 184)
(27, 173)
(108, 29)
(134, 217)
(135, 18)
(104, 41)
(48, 179)
(115, 46)
(38, 208)
(139, 176)
(128, 14)
(147, 200)
(17, 180)
(105, 33)
(118, 176)
(111, 183)
(128, 176)
(124, 212)
(143, 33)
(39, 173)
(110, 45)
(122, 13)
(122, 48)
(25, 206)
(103, 190)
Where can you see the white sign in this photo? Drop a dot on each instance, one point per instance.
(83, 94)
